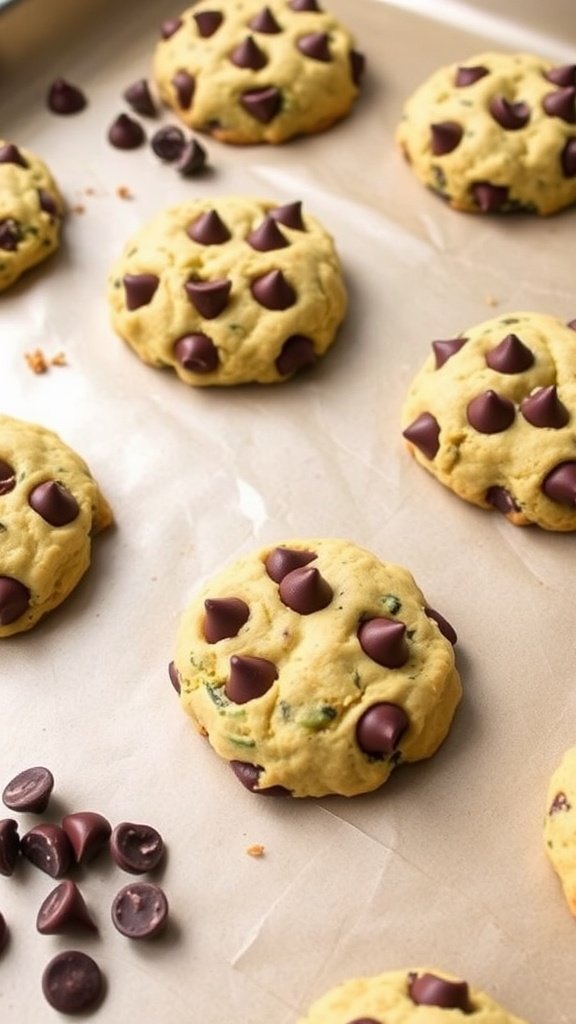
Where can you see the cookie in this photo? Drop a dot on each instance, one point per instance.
(495, 134)
(49, 509)
(560, 825)
(315, 668)
(398, 997)
(31, 211)
(229, 290)
(249, 72)
(492, 413)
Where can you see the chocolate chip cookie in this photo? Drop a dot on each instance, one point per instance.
(229, 290)
(496, 133)
(49, 509)
(400, 996)
(315, 668)
(252, 72)
(491, 415)
(560, 825)
(31, 210)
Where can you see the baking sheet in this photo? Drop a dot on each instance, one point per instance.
(444, 866)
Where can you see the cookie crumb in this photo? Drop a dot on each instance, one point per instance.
(256, 850)
(59, 359)
(78, 208)
(36, 361)
(491, 300)
(90, 191)
(123, 192)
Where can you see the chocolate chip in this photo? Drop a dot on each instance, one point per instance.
(208, 229)
(380, 729)
(9, 846)
(490, 198)
(563, 75)
(305, 591)
(444, 350)
(363, 1020)
(249, 774)
(14, 600)
(168, 143)
(543, 408)
(184, 86)
(10, 154)
(290, 215)
(248, 55)
(140, 910)
(54, 503)
(10, 234)
(136, 848)
(174, 677)
(562, 104)
(72, 982)
(467, 76)
(65, 98)
(7, 477)
(267, 237)
(139, 97)
(445, 136)
(510, 116)
(3, 932)
(559, 803)
(296, 353)
(424, 433)
(281, 561)
(47, 847)
(560, 484)
(273, 291)
(265, 22)
(30, 790)
(64, 908)
(316, 46)
(139, 289)
(192, 159)
(571, 324)
(249, 678)
(224, 618)
(357, 66)
(169, 27)
(262, 104)
(568, 159)
(88, 833)
(125, 133)
(511, 355)
(47, 202)
(209, 298)
(490, 413)
(384, 641)
(305, 5)
(197, 353)
(429, 990)
(208, 22)
(502, 500)
(444, 626)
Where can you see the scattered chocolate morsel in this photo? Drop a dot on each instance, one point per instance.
(10, 234)
(29, 790)
(125, 133)
(139, 289)
(197, 353)
(249, 774)
(273, 291)
(305, 591)
(169, 27)
(88, 833)
(563, 75)
(562, 104)
(510, 116)
(248, 55)
(511, 355)
(65, 98)
(209, 298)
(543, 408)
(384, 641)
(249, 678)
(490, 198)
(14, 599)
(424, 433)
(560, 484)
(209, 229)
(184, 86)
(72, 982)
(296, 353)
(444, 626)
(168, 143)
(290, 215)
(265, 22)
(262, 104)
(139, 97)
(54, 503)
(568, 159)
(502, 500)
(445, 136)
(357, 66)
(560, 803)
(174, 677)
(281, 561)
(9, 846)
(490, 413)
(380, 729)
(267, 237)
(47, 847)
(64, 908)
(47, 203)
(7, 477)
(3, 932)
(444, 350)
(136, 848)
(10, 154)
(225, 617)
(208, 22)
(467, 76)
(429, 990)
(305, 5)
(316, 46)
(192, 159)
(140, 910)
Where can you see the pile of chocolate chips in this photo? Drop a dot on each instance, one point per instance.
(72, 981)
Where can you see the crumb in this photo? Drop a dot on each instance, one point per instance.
(36, 361)
(491, 300)
(59, 359)
(256, 850)
(123, 192)
(78, 208)
(90, 191)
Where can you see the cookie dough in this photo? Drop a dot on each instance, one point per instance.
(315, 668)
(31, 211)
(49, 509)
(496, 133)
(560, 825)
(229, 290)
(491, 415)
(250, 71)
(398, 997)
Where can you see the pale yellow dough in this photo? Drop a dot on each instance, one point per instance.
(527, 161)
(301, 732)
(48, 560)
(36, 230)
(560, 825)
(314, 93)
(248, 337)
(385, 999)
(519, 458)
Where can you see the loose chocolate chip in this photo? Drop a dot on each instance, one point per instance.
(47, 847)
(262, 104)
(296, 353)
(9, 846)
(543, 408)
(490, 198)
(14, 600)
(139, 97)
(136, 848)
(380, 729)
(444, 350)
(88, 833)
(140, 910)
(208, 22)
(445, 137)
(3, 932)
(560, 484)
(125, 133)
(65, 98)
(267, 237)
(184, 86)
(568, 159)
(357, 66)
(429, 990)
(424, 433)
(169, 27)
(281, 561)
(174, 677)
(197, 353)
(305, 5)
(490, 413)
(249, 774)
(7, 477)
(467, 76)
(249, 678)
(502, 500)
(305, 591)
(72, 982)
(10, 234)
(559, 803)
(316, 46)
(510, 116)
(64, 908)
(30, 790)
(563, 75)
(192, 159)
(511, 355)
(139, 289)
(168, 143)
(248, 55)
(224, 618)
(209, 298)
(10, 154)
(384, 641)
(208, 229)
(54, 503)
(273, 291)
(290, 215)
(562, 104)
(47, 202)
(265, 22)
